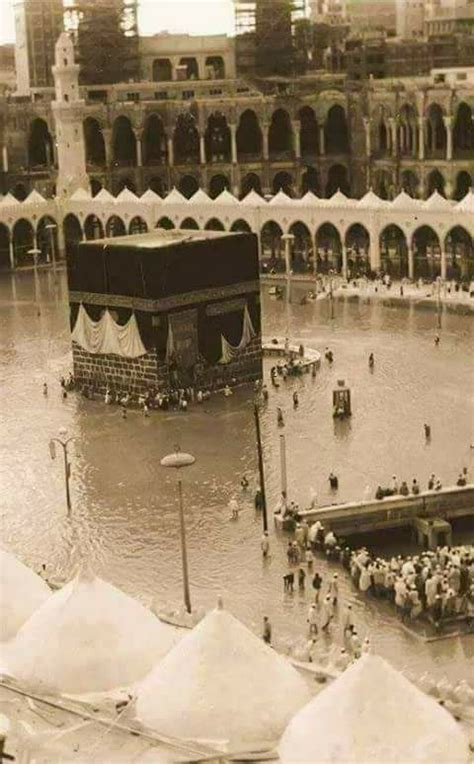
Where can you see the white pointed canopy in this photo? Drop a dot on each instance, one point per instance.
(174, 197)
(104, 196)
(280, 198)
(371, 713)
(221, 683)
(88, 637)
(200, 197)
(126, 195)
(437, 203)
(465, 205)
(225, 197)
(405, 202)
(81, 195)
(34, 197)
(150, 197)
(370, 200)
(253, 199)
(21, 593)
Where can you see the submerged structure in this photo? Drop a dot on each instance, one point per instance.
(167, 309)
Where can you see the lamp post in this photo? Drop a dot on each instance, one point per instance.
(288, 238)
(35, 253)
(331, 293)
(178, 460)
(439, 281)
(64, 442)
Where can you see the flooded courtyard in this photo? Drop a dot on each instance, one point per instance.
(124, 516)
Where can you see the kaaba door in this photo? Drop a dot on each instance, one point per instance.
(184, 327)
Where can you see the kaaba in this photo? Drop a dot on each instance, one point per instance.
(166, 309)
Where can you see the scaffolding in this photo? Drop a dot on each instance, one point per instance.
(265, 34)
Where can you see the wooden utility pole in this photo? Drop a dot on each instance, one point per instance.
(260, 467)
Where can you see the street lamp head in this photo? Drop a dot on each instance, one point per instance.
(178, 459)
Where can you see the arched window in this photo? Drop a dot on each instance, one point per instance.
(214, 225)
(157, 185)
(23, 240)
(165, 223)
(250, 182)
(190, 68)
(328, 249)
(40, 145)
(272, 247)
(310, 181)
(394, 251)
(436, 132)
(302, 248)
(217, 139)
(125, 183)
(463, 132)
(240, 226)
(217, 185)
(249, 136)
(215, 68)
(436, 182)
(124, 143)
(383, 137)
(280, 134)
(154, 141)
(47, 239)
(137, 225)
(309, 132)
(188, 185)
(427, 253)
(4, 247)
(407, 130)
(463, 184)
(283, 182)
(189, 224)
(410, 183)
(383, 184)
(162, 70)
(72, 232)
(460, 254)
(94, 142)
(19, 191)
(115, 227)
(337, 180)
(93, 228)
(336, 131)
(357, 242)
(186, 140)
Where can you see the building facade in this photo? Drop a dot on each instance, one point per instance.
(38, 24)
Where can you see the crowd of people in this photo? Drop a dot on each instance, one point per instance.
(401, 488)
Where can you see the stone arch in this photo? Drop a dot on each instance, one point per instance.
(214, 225)
(280, 133)
(407, 130)
(463, 132)
(188, 185)
(154, 141)
(436, 136)
(357, 242)
(47, 239)
(162, 70)
(40, 144)
(127, 183)
(20, 191)
(72, 232)
(426, 253)
(394, 251)
(124, 143)
(336, 131)
(115, 227)
(310, 181)
(302, 250)
(435, 182)
(4, 247)
(218, 184)
(190, 224)
(271, 247)
(96, 186)
(23, 241)
(328, 248)
(137, 225)
(93, 228)
(283, 181)
(250, 182)
(459, 250)
(166, 223)
(383, 183)
(240, 226)
(410, 183)
(338, 180)
(217, 138)
(186, 140)
(215, 68)
(157, 185)
(309, 132)
(94, 142)
(249, 135)
(463, 184)
(191, 65)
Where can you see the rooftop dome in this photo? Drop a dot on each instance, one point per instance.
(221, 683)
(21, 593)
(88, 637)
(371, 713)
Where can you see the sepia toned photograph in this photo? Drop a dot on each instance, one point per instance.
(237, 381)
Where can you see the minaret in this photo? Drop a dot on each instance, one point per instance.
(68, 109)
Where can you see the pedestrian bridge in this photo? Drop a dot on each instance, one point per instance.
(391, 512)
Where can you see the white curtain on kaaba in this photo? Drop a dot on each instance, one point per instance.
(229, 351)
(107, 336)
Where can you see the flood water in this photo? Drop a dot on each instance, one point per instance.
(124, 504)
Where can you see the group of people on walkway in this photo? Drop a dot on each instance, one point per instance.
(434, 483)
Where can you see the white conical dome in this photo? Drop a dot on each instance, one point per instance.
(221, 683)
(371, 713)
(88, 637)
(21, 593)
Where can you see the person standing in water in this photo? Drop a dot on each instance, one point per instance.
(267, 630)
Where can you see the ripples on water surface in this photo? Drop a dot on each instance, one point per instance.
(124, 506)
